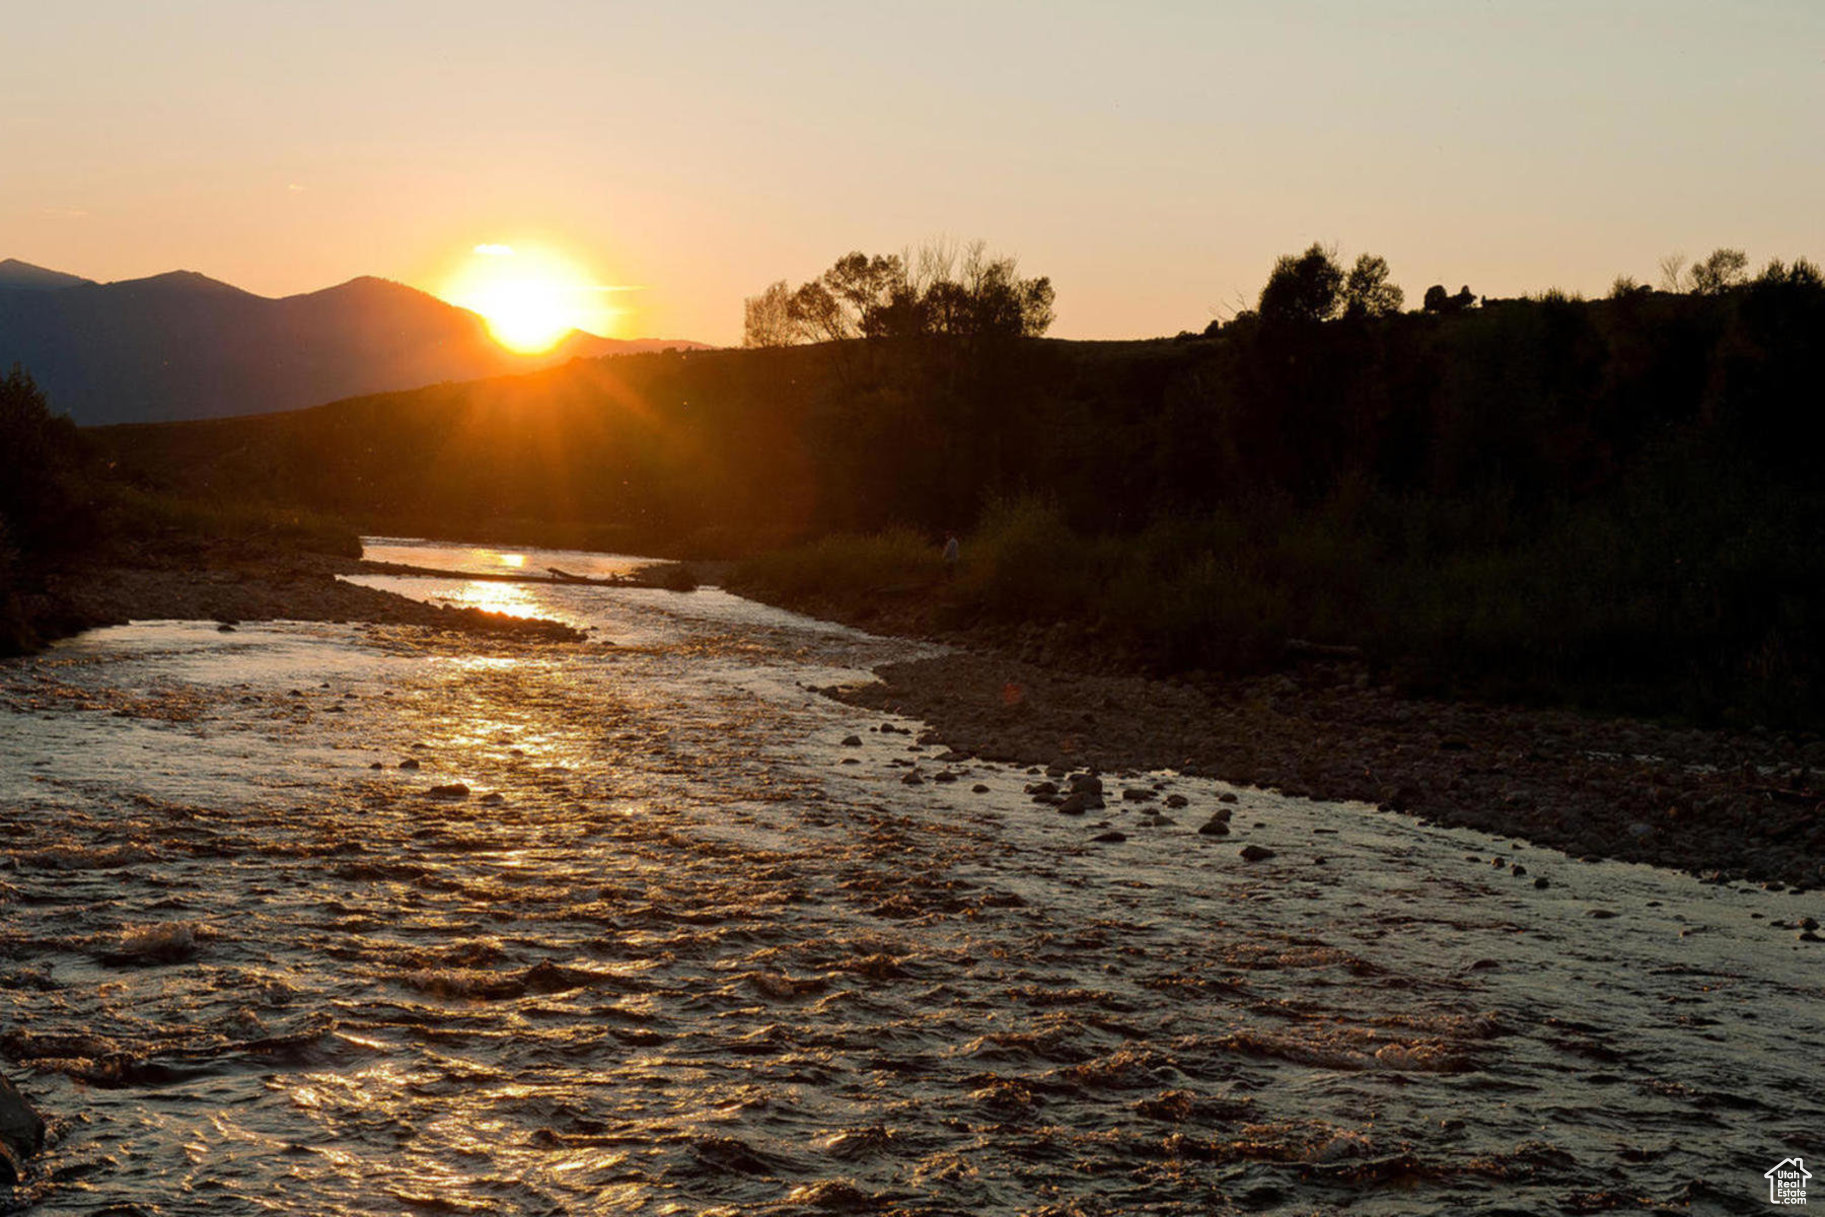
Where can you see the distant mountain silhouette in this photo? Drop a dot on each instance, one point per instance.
(14, 273)
(182, 345)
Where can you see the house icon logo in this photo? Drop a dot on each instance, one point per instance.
(1787, 1182)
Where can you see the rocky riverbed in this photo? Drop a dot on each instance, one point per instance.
(371, 918)
(1719, 804)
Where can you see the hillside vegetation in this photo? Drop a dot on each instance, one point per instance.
(1610, 500)
(64, 504)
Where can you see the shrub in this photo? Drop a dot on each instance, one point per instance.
(670, 576)
(843, 567)
(1025, 562)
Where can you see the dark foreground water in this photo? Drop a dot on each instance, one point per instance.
(674, 953)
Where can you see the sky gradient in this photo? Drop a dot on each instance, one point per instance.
(1153, 159)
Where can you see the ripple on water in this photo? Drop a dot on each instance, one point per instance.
(688, 961)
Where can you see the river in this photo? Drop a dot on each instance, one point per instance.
(664, 943)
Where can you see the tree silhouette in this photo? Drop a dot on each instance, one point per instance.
(1303, 288)
(1724, 269)
(1437, 300)
(896, 296)
(818, 315)
(767, 318)
(863, 286)
(1367, 292)
(41, 487)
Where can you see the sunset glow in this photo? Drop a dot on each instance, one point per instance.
(531, 298)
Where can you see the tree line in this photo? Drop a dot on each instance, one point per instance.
(937, 291)
(1615, 493)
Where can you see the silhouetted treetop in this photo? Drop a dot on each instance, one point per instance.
(767, 318)
(1724, 269)
(1802, 274)
(1368, 293)
(39, 459)
(1305, 287)
(1312, 287)
(904, 296)
(1438, 300)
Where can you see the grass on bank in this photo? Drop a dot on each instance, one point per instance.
(846, 573)
(1611, 608)
(133, 520)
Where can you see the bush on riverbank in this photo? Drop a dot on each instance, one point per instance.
(62, 505)
(667, 576)
(846, 573)
(1633, 603)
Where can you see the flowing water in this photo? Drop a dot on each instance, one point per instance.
(677, 949)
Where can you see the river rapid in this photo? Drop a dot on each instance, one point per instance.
(664, 943)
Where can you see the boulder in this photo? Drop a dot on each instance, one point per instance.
(21, 1132)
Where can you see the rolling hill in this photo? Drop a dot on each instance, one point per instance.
(185, 346)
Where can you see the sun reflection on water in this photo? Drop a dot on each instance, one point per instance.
(510, 598)
(666, 954)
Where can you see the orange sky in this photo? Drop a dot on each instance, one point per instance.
(1151, 158)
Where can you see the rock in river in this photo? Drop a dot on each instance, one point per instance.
(21, 1132)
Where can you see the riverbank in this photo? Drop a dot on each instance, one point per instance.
(371, 890)
(231, 587)
(1726, 804)
(1718, 803)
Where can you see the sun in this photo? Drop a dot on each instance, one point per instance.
(531, 298)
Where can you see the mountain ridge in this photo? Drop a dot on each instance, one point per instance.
(182, 345)
(16, 273)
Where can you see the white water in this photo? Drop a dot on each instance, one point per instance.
(690, 960)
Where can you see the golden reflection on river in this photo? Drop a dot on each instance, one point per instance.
(493, 596)
(676, 947)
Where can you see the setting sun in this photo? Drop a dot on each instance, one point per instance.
(531, 298)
